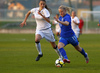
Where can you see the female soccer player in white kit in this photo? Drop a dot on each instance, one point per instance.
(43, 29)
(57, 29)
(75, 23)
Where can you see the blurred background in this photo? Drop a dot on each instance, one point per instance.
(12, 13)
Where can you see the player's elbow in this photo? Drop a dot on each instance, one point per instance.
(66, 23)
(28, 13)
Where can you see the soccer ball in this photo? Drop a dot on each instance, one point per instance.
(59, 63)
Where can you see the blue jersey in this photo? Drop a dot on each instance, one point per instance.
(66, 31)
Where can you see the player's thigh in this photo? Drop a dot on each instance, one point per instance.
(38, 36)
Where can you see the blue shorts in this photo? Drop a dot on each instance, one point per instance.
(71, 40)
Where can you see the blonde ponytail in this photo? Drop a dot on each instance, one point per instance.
(68, 9)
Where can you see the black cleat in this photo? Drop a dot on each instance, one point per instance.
(38, 57)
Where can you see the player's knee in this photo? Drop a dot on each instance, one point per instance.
(59, 47)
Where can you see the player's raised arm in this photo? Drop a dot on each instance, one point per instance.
(76, 23)
(24, 22)
(47, 19)
(64, 23)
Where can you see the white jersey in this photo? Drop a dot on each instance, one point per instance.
(41, 23)
(74, 26)
(57, 26)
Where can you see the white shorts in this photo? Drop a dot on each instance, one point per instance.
(47, 34)
(77, 32)
(57, 28)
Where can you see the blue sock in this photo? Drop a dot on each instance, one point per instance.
(63, 53)
(83, 53)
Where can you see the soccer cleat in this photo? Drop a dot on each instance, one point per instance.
(38, 57)
(87, 59)
(66, 61)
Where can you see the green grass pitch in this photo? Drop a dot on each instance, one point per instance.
(18, 53)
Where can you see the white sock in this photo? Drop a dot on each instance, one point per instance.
(38, 46)
(59, 54)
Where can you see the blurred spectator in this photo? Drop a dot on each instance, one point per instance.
(57, 29)
(17, 7)
(99, 23)
(81, 25)
(75, 23)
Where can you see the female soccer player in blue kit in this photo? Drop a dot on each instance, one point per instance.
(67, 35)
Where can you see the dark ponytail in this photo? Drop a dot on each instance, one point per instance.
(48, 9)
(47, 6)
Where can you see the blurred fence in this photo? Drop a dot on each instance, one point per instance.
(14, 15)
(18, 16)
(92, 19)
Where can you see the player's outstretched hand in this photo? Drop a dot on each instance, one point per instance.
(39, 13)
(22, 24)
(56, 19)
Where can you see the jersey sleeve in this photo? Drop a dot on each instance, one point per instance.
(46, 13)
(68, 19)
(33, 10)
